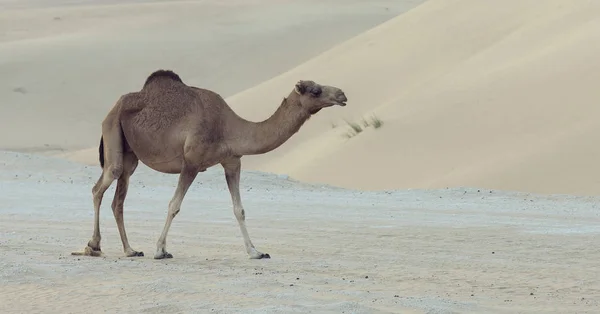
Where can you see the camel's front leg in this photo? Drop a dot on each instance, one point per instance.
(186, 177)
(232, 175)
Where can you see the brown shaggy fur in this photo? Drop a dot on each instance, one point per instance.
(162, 74)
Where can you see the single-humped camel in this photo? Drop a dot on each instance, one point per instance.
(179, 129)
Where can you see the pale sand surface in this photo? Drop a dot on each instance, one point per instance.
(490, 95)
(63, 64)
(498, 94)
(333, 250)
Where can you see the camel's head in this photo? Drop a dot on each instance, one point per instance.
(314, 97)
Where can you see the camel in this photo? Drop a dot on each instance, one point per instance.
(179, 129)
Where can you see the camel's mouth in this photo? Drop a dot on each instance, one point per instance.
(340, 99)
(339, 103)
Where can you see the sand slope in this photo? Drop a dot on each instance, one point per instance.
(472, 93)
(500, 95)
(64, 63)
(333, 250)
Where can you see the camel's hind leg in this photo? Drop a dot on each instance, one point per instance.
(104, 182)
(112, 170)
(130, 162)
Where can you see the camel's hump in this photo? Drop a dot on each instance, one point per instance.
(162, 73)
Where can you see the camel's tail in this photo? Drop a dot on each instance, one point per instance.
(101, 152)
(124, 147)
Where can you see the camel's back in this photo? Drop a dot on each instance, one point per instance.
(157, 120)
(165, 104)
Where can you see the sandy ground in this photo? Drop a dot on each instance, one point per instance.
(479, 96)
(333, 250)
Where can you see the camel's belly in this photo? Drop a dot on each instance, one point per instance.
(173, 166)
(175, 163)
(158, 150)
(162, 149)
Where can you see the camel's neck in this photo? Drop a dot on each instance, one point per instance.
(252, 138)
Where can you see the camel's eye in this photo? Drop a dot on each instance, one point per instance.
(315, 91)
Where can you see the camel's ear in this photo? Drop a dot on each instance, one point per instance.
(300, 88)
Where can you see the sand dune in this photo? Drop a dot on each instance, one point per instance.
(64, 63)
(471, 93)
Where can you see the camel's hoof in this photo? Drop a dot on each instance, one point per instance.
(261, 256)
(135, 253)
(163, 255)
(94, 246)
(88, 251)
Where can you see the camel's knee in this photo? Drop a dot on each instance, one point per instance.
(240, 213)
(174, 207)
(173, 212)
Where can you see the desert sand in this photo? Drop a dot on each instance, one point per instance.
(496, 95)
(64, 63)
(332, 250)
(477, 194)
(500, 95)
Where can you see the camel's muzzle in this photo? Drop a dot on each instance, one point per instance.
(341, 98)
